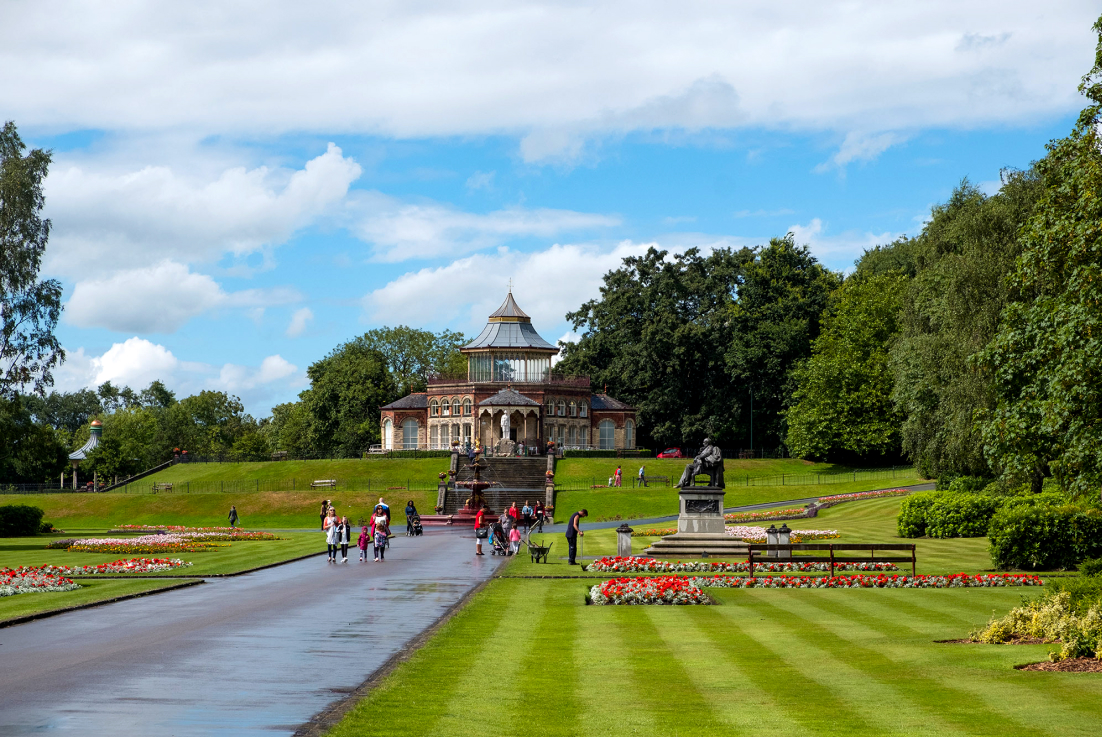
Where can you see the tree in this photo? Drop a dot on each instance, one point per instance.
(412, 355)
(29, 309)
(347, 388)
(952, 310)
(843, 409)
(1045, 363)
(784, 291)
(657, 337)
(289, 430)
(29, 452)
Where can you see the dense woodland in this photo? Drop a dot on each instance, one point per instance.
(973, 348)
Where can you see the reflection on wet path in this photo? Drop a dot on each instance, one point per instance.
(257, 654)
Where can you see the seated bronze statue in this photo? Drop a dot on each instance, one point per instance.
(710, 461)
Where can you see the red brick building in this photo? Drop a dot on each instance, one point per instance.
(508, 373)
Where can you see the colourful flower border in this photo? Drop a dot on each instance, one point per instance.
(14, 582)
(133, 565)
(653, 565)
(736, 517)
(665, 590)
(858, 495)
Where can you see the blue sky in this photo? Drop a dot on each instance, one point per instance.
(238, 188)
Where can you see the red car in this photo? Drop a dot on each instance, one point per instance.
(671, 453)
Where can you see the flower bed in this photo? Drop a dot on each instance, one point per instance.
(953, 581)
(652, 565)
(133, 565)
(663, 590)
(199, 533)
(14, 582)
(178, 543)
(654, 532)
(736, 517)
(862, 495)
(757, 534)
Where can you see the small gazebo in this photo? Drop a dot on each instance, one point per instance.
(93, 442)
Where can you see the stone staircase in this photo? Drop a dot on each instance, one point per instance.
(513, 480)
(693, 545)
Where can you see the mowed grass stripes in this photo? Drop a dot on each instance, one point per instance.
(528, 657)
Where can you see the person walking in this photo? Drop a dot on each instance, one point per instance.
(346, 538)
(233, 516)
(618, 477)
(478, 536)
(363, 542)
(332, 524)
(411, 510)
(514, 540)
(526, 515)
(573, 531)
(324, 512)
(642, 476)
(382, 530)
(386, 509)
(514, 514)
(539, 514)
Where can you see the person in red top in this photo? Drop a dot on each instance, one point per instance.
(514, 513)
(478, 518)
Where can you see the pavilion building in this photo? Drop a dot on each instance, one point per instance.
(508, 372)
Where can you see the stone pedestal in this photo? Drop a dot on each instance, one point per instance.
(699, 528)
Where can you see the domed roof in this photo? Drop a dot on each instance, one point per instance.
(509, 327)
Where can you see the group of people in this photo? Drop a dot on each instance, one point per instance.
(511, 520)
(617, 478)
(338, 532)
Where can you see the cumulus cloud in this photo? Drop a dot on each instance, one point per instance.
(299, 320)
(837, 250)
(480, 180)
(401, 230)
(104, 218)
(860, 147)
(236, 379)
(555, 73)
(159, 299)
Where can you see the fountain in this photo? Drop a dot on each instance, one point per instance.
(477, 486)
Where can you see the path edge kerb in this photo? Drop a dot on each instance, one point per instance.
(329, 717)
(203, 575)
(54, 612)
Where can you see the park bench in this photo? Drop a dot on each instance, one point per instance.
(280, 455)
(538, 552)
(161, 487)
(831, 549)
(324, 484)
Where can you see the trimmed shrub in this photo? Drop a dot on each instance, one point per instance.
(960, 515)
(1090, 566)
(1044, 538)
(945, 480)
(19, 520)
(968, 484)
(912, 513)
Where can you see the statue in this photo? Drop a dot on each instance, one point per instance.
(505, 426)
(710, 461)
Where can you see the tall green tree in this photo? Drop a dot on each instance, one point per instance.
(951, 311)
(843, 409)
(1046, 360)
(783, 293)
(413, 355)
(347, 388)
(29, 308)
(657, 337)
(30, 452)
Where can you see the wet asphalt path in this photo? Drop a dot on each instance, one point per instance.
(256, 654)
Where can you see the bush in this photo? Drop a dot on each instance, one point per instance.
(968, 484)
(960, 515)
(912, 513)
(1044, 538)
(1090, 567)
(19, 520)
(945, 480)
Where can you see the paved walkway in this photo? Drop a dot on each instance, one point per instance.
(257, 654)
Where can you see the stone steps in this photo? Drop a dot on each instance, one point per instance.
(688, 544)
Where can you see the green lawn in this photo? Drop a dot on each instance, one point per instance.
(232, 558)
(92, 590)
(529, 657)
(381, 471)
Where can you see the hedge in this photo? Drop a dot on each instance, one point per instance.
(960, 515)
(912, 513)
(1044, 538)
(20, 520)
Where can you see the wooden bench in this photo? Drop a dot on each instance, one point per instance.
(831, 549)
(324, 484)
(161, 487)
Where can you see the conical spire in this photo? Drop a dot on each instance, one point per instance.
(509, 311)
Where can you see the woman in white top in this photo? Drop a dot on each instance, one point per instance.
(332, 532)
(382, 529)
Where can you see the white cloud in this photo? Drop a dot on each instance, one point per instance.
(159, 299)
(236, 379)
(480, 180)
(403, 230)
(298, 322)
(860, 147)
(554, 73)
(103, 218)
(763, 213)
(838, 251)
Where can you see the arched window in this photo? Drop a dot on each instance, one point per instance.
(434, 408)
(562, 408)
(445, 407)
(608, 435)
(455, 407)
(583, 409)
(467, 407)
(409, 434)
(388, 435)
(550, 406)
(573, 408)
(629, 434)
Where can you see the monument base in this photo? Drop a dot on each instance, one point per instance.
(700, 528)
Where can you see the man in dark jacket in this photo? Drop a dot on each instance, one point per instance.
(573, 530)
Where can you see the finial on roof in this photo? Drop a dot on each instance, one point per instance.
(510, 285)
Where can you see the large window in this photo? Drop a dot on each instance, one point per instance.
(409, 434)
(584, 437)
(478, 367)
(444, 439)
(583, 409)
(455, 407)
(550, 406)
(562, 435)
(608, 435)
(434, 437)
(388, 435)
(573, 408)
(445, 407)
(572, 436)
(455, 433)
(562, 408)
(467, 432)
(467, 407)
(629, 434)
(434, 408)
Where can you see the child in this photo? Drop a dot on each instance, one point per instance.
(364, 537)
(346, 537)
(514, 540)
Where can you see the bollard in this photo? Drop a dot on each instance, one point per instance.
(623, 541)
(784, 538)
(771, 539)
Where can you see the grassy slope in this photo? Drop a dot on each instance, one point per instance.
(764, 662)
(392, 471)
(91, 591)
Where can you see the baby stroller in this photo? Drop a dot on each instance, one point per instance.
(414, 528)
(498, 540)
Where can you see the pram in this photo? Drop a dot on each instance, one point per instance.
(498, 540)
(413, 526)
